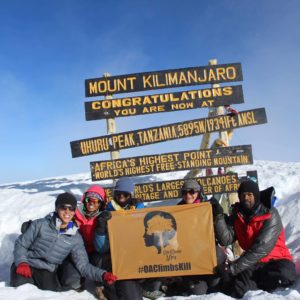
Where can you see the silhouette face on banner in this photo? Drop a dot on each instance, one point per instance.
(160, 230)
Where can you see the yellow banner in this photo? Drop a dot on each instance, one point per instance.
(162, 241)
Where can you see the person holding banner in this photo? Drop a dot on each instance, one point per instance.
(124, 196)
(123, 200)
(40, 250)
(192, 193)
(266, 262)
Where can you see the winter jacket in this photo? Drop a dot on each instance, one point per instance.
(262, 236)
(86, 225)
(101, 242)
(42, 246)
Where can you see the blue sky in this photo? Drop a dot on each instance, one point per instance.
(48, 48)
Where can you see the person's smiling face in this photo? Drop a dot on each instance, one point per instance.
(189, 196)
(66, 214)
(92, 204)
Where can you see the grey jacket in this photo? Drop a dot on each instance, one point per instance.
(263, 244)
(43, 247)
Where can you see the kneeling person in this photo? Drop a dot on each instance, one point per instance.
(42, 248)
(266, 262)
(192, 193)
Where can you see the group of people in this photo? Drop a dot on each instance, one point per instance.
(71, 244)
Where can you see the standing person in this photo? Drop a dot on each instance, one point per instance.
(41, 249)
(93, 202)
(192, 193)
(266, 262)
(123, 200)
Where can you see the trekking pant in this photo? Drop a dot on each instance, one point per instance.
(266, 276)
(274, 274)
(198, 284)
(70, 277)
(121, 289)
(124, 290)
(43, 279)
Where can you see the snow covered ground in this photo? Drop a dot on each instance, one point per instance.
(34, 199)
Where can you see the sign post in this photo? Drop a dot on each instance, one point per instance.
(206, 137)
(218, 155)
(111, 126)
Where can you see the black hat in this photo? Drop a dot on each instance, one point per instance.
(191, 184)
(251, 187)
(65, 199)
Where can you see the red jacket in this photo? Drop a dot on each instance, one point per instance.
(87, 226)
(247, 234)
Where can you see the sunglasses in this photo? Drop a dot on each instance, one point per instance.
(119, 193)
(92, 201)
(191, 192)
(67, 207)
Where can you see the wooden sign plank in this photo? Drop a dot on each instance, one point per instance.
(149, 104)
(171, 189)
(167, 132)
(169, 162)
(163, 79)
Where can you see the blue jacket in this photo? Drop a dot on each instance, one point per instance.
(101, 242)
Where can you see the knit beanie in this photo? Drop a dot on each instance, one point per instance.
(126, 185)
(250, 187)
(191, 184)
(65, 199)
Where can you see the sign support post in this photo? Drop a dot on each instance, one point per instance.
(111, 128)
(206, 137)
(232, 197)
(223, 136)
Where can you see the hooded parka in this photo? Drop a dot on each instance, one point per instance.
(87, 225)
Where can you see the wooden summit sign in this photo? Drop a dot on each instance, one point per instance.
(148, 104)
(169, 162)
(164, 133)
(171, 189)
(163, 79)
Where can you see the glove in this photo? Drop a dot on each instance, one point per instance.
(224, 271)
(101, 226)
(109, 277)
(216, 207)
(23, 269)
(244, 283)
